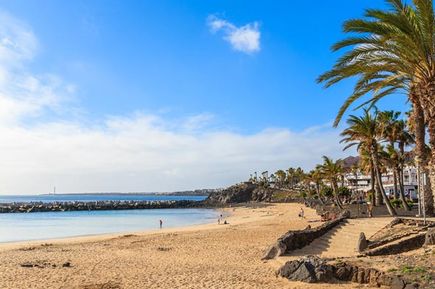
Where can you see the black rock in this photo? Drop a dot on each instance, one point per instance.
(310, 269)
(362, 242)
(430, 237)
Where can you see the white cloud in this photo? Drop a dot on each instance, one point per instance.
(124, 153)
(17, 41)
(24, 94)
(146, 153)
(245, 38)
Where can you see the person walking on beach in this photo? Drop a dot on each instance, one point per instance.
(161, 224)
(301, 213)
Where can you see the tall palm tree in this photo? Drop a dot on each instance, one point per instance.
(394, 162)
(393, 51)
(280, 176)
(389, 130)
(363, 132)
(394, 130)
(332, 170)
(404, 138)
(422, 151)
(290, 176)
(366, 165)
(315, 176)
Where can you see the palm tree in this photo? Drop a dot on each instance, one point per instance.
(404, 138)
(280, 175)
(366, 165)
(290, 176)
(417, 125)
(363, 132)
(394, 130)
(389, 130)
(332, 171)
(394, 162)
(393, 51)
(315, 176)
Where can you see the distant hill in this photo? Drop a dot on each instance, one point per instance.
(350, 162)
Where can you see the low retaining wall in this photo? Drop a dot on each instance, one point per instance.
(403, 242)
(405, 245)
(293, 240)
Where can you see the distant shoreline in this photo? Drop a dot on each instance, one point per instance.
(110, 194)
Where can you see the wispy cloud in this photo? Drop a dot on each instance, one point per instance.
(17, 41)
(24, 94)
(245, 38)
(137, 152)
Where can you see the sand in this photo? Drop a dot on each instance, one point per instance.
(204, 256)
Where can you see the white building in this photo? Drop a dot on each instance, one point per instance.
(362, 183)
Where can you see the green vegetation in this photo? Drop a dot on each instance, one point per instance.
(411, 269)
(392, 51)
(387, 51)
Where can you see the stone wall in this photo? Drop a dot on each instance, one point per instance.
(293, 240)
(401, 246)
(399, 242)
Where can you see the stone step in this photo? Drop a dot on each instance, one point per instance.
(341, 241)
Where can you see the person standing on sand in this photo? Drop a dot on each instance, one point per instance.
(301, 213)
(161, 224)
(370, 209)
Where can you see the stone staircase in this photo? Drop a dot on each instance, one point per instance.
(342, 240)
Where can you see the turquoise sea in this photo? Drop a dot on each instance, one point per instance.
(49, 225)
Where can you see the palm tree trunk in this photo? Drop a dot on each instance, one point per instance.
(400, 169)
(378, 176)
(421, 157)
(430, 178)
(372, 183)
(377, 197)
(318, 193)
(337, 198)
(396, 188)
(395, 175)
(402, 190)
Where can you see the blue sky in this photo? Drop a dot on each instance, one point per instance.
(162, 62)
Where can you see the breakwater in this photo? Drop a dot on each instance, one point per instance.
(30, 207)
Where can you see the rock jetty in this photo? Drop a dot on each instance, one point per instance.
(240, 193)
(95, 206)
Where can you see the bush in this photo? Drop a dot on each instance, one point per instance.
(344, 192)
(327, 192)
(397, 203)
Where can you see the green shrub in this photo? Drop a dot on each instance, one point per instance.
(326, 191)
(344, 192)
(397, 203)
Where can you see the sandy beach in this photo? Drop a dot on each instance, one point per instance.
(204, 256)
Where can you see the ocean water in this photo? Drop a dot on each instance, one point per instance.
(94, 197)
(48, 225)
